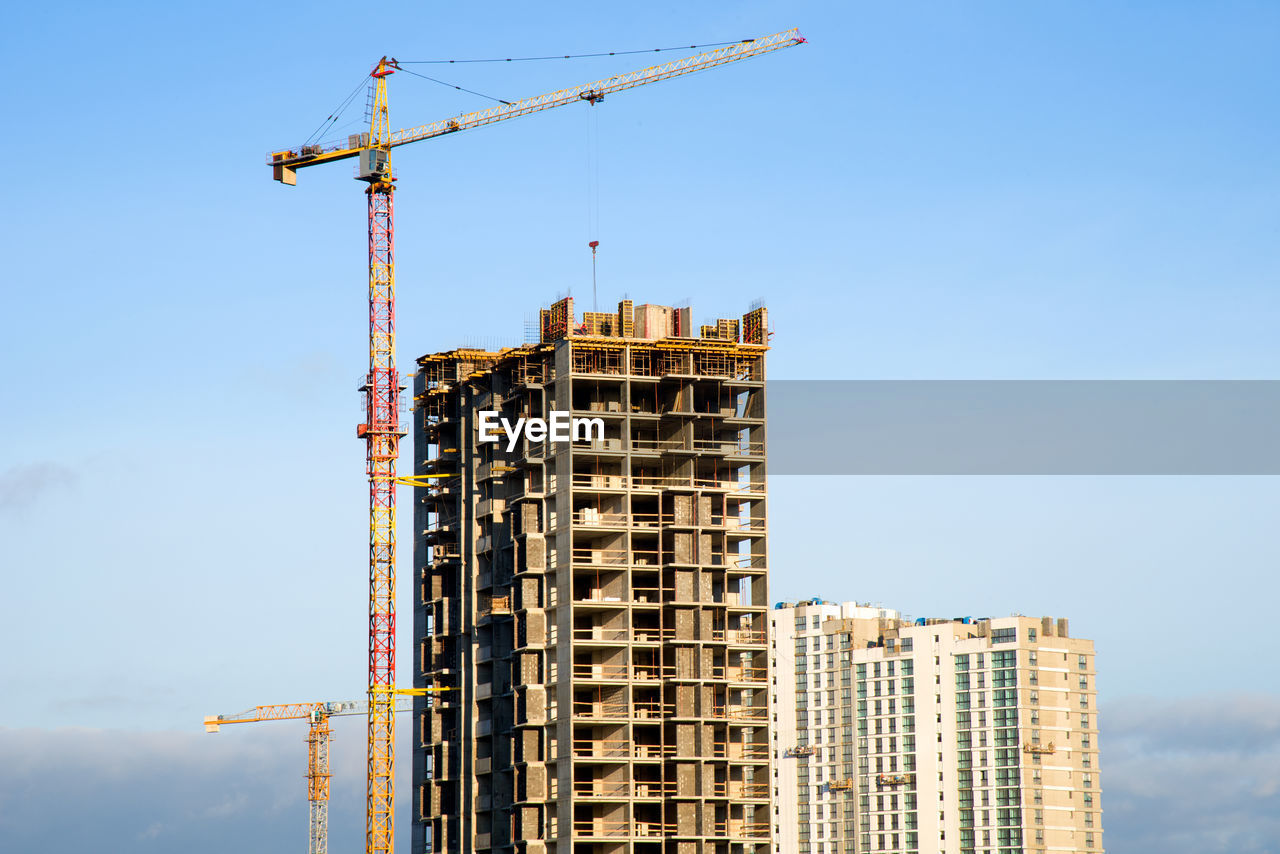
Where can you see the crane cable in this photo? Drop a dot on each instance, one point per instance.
(570, 55)
(593, 196)
(333, 117)
(337, 112)
(452, 85)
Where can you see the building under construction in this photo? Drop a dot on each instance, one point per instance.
(600, 603)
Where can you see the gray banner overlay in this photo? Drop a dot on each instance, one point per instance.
(1084, 427)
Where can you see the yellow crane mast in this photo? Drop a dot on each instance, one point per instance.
(381, 429)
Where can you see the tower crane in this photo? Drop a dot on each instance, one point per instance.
(381, 429)
(318, 735)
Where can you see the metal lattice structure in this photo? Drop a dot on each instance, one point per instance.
(381, 430)
(318, 776)
(382, 438)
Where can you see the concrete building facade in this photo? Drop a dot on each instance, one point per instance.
(931, 736)
(600, 604)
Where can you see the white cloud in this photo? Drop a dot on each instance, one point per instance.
(1195, 776)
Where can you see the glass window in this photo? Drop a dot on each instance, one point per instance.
(1009, 635)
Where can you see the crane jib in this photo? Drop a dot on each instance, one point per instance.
(285, 163)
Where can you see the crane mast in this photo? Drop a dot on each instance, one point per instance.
(381, 432)
(381, 429)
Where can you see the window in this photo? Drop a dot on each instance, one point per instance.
(905, 645)
(1009, 635)
(1031, 635)
(815, 622)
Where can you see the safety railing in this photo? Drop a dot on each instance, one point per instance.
(741, 789)
(748, 674)
(652, 671)
(740, 713)
(600, 672)
(601, 789)
(741, 829)
(652, 635)
(597, 596)
(646, 594)
(601, 711)
(614, 748)
(590, 517)
(747, 750)
(601, 828)
(654, 751)
(599, 481)
(600, 557)
(655, 829)
(650, 709)
(653, 789)
(746, 636)
(602, 634)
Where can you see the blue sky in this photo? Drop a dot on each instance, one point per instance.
(982, 190)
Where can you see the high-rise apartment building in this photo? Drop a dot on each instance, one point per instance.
(959, 736)
(599, 604)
